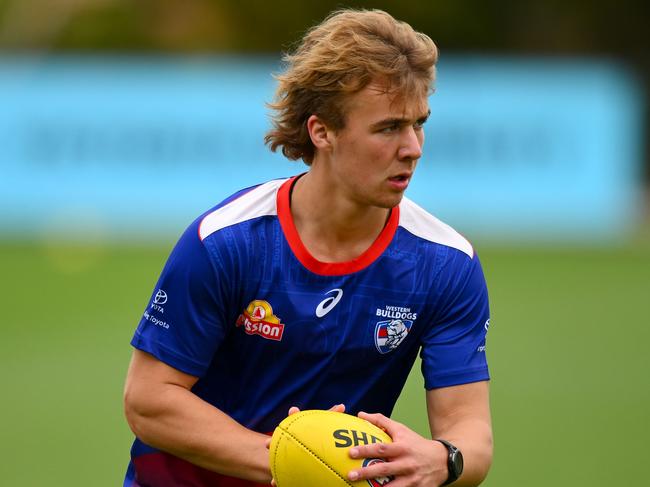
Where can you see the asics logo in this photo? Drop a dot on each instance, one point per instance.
(327, 304)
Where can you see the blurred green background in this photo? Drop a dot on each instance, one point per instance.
(570, 323)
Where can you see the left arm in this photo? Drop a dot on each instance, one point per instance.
(461, 415)
(458, 414)
(453, 349)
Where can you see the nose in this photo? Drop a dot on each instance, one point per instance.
(411, 144)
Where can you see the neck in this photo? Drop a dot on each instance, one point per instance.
(333, 227)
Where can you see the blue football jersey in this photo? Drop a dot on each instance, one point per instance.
(242, 305)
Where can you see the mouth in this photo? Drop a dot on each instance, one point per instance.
(403, 177)
(400, 181)
(400, 178)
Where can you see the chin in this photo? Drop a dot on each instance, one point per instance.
(390, 202)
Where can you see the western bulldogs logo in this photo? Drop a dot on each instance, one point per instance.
(379, 481)
(389, 334)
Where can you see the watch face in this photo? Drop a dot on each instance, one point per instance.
(457, 460)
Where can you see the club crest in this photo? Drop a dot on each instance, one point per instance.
(389, 334)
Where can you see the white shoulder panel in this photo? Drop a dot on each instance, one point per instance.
(424, 225)
(258, 202)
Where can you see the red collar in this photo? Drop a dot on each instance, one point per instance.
(330, 268)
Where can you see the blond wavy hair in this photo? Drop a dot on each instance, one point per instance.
(340, 57)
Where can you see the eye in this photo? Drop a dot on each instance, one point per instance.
(420, 123)
(389, 128)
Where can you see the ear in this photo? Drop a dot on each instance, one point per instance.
(319, 133)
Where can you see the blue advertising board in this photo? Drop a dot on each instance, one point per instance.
(516, 149)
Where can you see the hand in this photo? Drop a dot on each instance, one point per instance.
(411, 459)
(339, 408)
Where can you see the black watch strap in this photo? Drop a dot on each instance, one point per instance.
(454, 462)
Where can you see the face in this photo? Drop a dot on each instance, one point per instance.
(372, 159)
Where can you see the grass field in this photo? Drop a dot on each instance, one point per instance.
(568, 350)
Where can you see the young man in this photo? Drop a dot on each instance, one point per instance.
(319, 290)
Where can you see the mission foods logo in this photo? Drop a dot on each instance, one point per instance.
(258, 319)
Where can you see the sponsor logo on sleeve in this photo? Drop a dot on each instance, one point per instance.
(160, 297)
(258, 319)
(156, 307)
(155, 321)
(486, 327)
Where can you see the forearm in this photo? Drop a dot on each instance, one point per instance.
(474, 439)
(173, 419)
(461, 415)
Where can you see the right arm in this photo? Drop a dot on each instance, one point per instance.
(164, 413)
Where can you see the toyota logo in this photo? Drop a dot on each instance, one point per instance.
(160, 297)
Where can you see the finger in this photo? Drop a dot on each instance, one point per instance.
(273, 483)
(339, 408)
(293, 410)
(395, 481)
(401, 482)
(378, 419)
(376, 450)
(267, 443)
(382, 471)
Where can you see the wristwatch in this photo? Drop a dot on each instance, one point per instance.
(454, 461)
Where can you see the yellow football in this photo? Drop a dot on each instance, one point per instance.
(310, 449)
